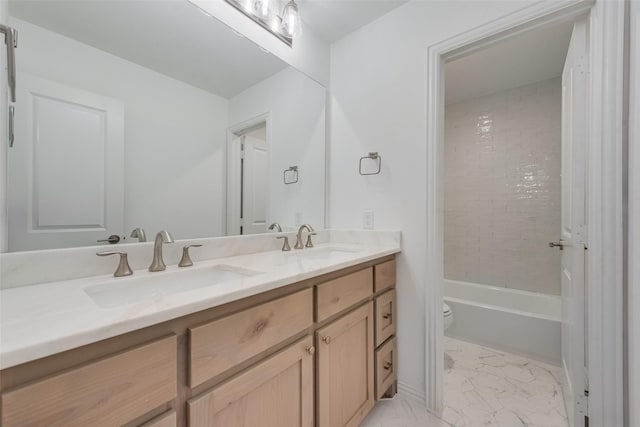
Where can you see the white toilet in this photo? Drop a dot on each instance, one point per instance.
(448, 316)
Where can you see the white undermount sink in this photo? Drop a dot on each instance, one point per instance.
(130, 290)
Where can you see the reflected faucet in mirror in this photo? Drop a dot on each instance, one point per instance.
(275, 226)
(158, 263)
(138, 233)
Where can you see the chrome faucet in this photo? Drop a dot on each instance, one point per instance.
(276, 226)
(158, 263)
(299, 244)
(139, 234)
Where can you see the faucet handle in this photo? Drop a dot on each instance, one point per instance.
(185, 261)
(309, 242)
(285, 246)
(123, 266)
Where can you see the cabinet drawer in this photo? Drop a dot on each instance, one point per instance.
(108, 392)
(168, 419)
(385, 276)
(341, 293)
(386, 363)
(277, 392)
(385, 316)
(224, 343)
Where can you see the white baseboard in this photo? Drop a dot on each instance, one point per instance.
(411, 393)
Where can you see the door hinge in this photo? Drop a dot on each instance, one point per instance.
(582, 404)
(241, 151)
(580, 233)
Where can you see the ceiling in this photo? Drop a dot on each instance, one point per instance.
(334, 19)
(178, 40)
(172, 37)
(527, 58)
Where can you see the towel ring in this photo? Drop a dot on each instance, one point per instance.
(372, 156)
(293, 171)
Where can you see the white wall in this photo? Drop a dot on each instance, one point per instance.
(379, 95)
(502, 188)
(175, 134)
(309, 53)
(297, 136)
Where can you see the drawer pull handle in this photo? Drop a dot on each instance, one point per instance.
(387, 366)
(327, 340)
(386, 316)
(311, 350)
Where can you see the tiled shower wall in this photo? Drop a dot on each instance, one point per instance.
(502, 188)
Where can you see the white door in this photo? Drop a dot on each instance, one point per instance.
(574, 97)
(66, 168)
(254, 186)
(247, 186)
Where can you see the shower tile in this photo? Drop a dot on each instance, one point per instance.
(502, 187)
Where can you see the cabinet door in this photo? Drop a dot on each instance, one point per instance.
(276, 393)
(345, 369)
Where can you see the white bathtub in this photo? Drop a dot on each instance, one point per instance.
(522, 322)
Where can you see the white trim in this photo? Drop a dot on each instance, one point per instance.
(410, 392)
(604, 203)
(633, 254)
(604, 207)
(605, 255)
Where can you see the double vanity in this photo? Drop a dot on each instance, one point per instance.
(252, 338)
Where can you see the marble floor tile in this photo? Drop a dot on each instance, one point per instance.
(483, 387)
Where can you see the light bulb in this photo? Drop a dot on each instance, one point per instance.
(261, 8)
(291, 25)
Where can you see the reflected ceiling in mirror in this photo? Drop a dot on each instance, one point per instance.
(154, 115)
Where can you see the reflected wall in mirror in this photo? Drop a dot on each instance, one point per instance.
(153, 115)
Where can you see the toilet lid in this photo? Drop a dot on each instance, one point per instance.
(445, 309)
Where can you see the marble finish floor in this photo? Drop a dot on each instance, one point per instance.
(483, 387)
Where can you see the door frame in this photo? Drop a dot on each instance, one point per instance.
(604, 190)
(633, 274)
(233, 132)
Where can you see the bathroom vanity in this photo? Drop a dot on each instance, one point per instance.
(309, 343)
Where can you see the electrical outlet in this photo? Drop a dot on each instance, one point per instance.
(367, 220)
(299, 219)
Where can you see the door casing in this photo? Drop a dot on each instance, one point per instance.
(604, 190)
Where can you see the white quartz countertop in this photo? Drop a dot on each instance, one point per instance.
(43, 319)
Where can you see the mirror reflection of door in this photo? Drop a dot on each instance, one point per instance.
(248, 182)
(66, 172)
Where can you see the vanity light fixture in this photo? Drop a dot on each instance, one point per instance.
(261, 8)
(291, 24)
(285, 25)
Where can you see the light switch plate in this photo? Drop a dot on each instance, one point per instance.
(367, 220)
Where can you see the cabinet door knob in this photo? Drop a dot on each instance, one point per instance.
(327, 340)
(387, 366)
(311, 350)
(386, 316)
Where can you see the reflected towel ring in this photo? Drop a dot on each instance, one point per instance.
(293, 170)
(373, 156)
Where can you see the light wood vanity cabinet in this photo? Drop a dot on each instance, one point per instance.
(222, 344)
(108, 392)
(314, 353)
(345, 369)
(277, 392)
